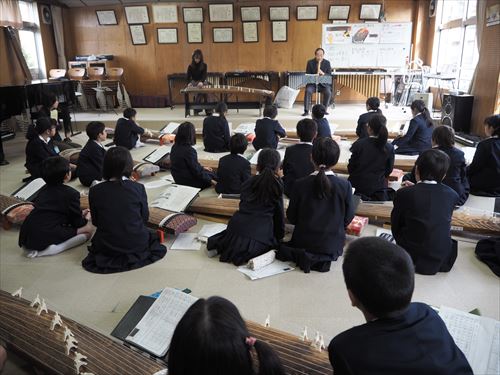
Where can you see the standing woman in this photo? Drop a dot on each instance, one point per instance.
(418, 137)
(197, 76)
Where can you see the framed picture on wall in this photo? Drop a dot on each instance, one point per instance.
(167, 35)
(222, 34)
(307, 13)
(339, 12)
(279, 13)
(250, 14)
(106, 17)
(370, 12)
(279, 31)
(192, 14)
(163, 13)
(220, 12)
(194, 33)
(250, 32)
(137, 14)
(137, 34)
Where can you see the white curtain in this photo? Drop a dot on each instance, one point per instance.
(480, 24)
(57, 22)
(10, 14)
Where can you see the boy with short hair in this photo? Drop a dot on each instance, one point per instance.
(268, 131)
(234, 169)
(89, 165)
(318, 115)
(399, 337)
(128, 132)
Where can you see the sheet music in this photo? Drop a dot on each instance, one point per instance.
(255, 156)
(477, 337)
(272, 269)
(186, 241)
(175, 198)
(156, 328)
(261, 261)
(170, 128)
(208, 230)
(245, 128)
(31, 189)
(158, 154)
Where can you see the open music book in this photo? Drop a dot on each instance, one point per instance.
(158, 154)
(29, 191)
(255, 156)
(170, 128)
(176, 198)
(154, 331)
(245, 128)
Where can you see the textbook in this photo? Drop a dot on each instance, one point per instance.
(30, 190)
(158, 154)
(176, 198)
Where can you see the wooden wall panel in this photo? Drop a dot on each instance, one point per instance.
(48, 42)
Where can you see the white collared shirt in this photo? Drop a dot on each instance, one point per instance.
(99, 143)
(43, 139)
(305, 143)
(328, 173)
(430, 182)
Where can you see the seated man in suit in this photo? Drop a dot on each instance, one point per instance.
(319, 66)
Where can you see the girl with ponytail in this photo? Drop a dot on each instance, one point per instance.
(371, 162)
(418, 137)
(372, 108)
(320, 208)
(259, 223)
(212, 338)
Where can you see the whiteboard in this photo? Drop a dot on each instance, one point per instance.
(367, 45)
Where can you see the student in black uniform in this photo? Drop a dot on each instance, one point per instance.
(212, 338)
(297, 162)
(216, 132)
(50, 103)
(421, 217)
(372, 108)
(268, 131)
(186, 170)
(119, 208)
(259, 223)
(89, 165)
(418, 137)
(484, 171)
(399, 337)
(197, 77)
(234, 169)
(127, 132)
(320, 208)
(56, 223)
(318, 115)
(371, 162)
(443, 138)
(40, 146)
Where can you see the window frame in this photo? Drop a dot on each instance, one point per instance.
(34, 27)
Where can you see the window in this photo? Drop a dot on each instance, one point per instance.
(455, 46)
(31, 40)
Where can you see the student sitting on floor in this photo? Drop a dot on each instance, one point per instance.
(212, 338)
(259, 223)
(216, 132)
(399, 337)
(371, 162)
(186, 170)
(56, 223)
(318, 115)
(40, 146)
(372, 107)
(418, 137)
(234, 169)
(297, 162)
(268, 131)
(484, 171)
(421, 217)
(320, 208)
(443, 138)
(119, 208)
(127, 132)
(89, 165)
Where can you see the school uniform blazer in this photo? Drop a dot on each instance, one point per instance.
(323, 128)
(296, 164)
(55, 218)
(216, 134)
(90, 161)
(421, 224)
(267, 132)
(369, 166)
(120, 213)
(417, 139)
(127, 133)
(320, 223)
(262, 222)
(232, 172)
(312, 68)
(363, 120)
(456, 176)
(414, 342)
(484, 171)
(36, 152)
(186, 170)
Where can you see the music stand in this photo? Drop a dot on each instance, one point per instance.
(316, 79)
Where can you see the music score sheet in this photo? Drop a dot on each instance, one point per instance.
(156, 328)
(30, 189)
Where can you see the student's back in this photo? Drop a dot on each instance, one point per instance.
(232, 172)
(296, 164)
(484, 171)
(363, 120)
(186, 170)
(267, 133)
(414, 342)
(36, 152)
(324, 129)
(216, 132)
(127, 133)
(89, 165)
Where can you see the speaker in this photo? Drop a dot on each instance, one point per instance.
(456, 111)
